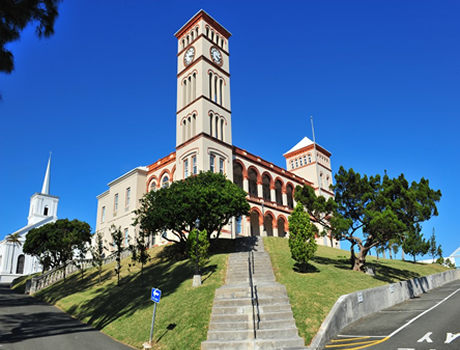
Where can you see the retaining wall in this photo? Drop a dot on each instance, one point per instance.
(351, 307)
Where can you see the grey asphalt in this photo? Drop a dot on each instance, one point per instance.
(428, 322)
(28, 323)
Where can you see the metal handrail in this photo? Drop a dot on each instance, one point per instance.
(254, 299)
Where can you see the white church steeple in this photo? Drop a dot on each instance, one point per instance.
(46, 181)
(43, 205)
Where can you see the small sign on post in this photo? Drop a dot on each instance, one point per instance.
(155, 296)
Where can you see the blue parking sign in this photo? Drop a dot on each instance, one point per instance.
(156, 295)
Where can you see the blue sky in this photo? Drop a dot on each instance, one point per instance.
(381, 78)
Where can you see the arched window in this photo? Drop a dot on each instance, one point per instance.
(210, 124)
(165, 181)
(296, 163)
(210, 85)
(321, 180)
(46, 210)
(309, 158)
(153, 186)
(222, 129)
(20, 265)
(212, 35)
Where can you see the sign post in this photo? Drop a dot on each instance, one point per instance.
(155, 297)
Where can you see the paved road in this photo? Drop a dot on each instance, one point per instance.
(429, 322)
(27, 323)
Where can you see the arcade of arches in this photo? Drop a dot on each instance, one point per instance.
(271, 200)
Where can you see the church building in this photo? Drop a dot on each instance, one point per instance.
(204, 142)
(43, 210)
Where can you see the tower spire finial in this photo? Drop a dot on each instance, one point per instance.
(46, 181)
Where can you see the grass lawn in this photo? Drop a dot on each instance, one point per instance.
(125, 312)
(313, 294)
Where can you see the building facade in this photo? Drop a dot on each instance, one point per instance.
(204, 142)
(42, 210)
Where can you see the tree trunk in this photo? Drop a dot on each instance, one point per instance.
(360, 261)
(383, 254)
(402, 254)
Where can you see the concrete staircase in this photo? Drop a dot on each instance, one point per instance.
(237, 311)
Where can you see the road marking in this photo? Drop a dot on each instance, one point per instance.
(350, 345)
(423, 313)
(450, 337)
(426, 338)
(361, 336)
(348, 339)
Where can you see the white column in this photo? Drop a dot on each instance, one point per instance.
(284, 196)
(246, 185)
(260, 190)
(273, 195)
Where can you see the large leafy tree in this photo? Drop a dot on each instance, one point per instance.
(15, 15)
(209, 196)
(302, 233)
(15, 240)
(370, 211)
(54, 244)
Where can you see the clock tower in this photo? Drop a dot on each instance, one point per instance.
(203, 117)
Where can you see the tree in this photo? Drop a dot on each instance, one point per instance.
(54, 243)
(15, 239)
(370, 211)
(302, 233)
(97, 252)
(209, 196)
(203, 247)
(117, 237)
(415, 244)
(434, 250)
(15, 15)
(140, 252)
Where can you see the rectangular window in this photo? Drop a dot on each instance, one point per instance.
(186, 168)
(296, 163)
(305, 160)
(238, 225)
(128, 196)
(115, 206)
(292, 164)
(126, 237)
(300, 161)
(194, 165)
(103, 214)
(221, 165)
(211, 162)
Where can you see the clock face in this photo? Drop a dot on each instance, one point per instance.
(216, 55)
(189, 55)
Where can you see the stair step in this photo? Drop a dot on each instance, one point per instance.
(245, 325)
(247, 309)
(247, 301)
(262, 334)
